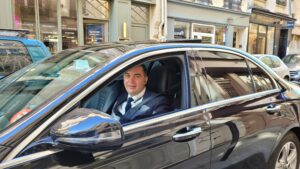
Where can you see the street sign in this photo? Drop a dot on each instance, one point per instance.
(290, 24)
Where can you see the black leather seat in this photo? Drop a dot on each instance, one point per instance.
(166, 79)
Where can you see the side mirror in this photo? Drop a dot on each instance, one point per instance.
(87, 130)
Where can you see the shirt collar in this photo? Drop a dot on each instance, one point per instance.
(138, 96)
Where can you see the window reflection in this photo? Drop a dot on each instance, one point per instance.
(227, 75)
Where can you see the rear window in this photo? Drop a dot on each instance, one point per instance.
(36, 52)
(13, 56)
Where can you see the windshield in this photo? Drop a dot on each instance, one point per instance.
(294, 59)
(23, 91)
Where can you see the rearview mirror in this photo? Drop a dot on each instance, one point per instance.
(87, 130)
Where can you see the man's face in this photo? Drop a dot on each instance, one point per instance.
(135, 80)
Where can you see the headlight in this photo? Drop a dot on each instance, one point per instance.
(298, 73)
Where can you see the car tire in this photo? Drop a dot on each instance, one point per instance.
(290, 145)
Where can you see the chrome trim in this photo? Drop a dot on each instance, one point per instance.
(27, 158)
(198, 108)
(59, 113)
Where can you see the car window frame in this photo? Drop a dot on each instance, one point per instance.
(247, 58)
(75, 100)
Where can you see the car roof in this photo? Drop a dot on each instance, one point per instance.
(25, 41)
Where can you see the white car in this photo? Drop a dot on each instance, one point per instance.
(293, 63)
(276, 64)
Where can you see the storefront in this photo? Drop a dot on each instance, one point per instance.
(269, 33)
(213, 25)
(57, 23)
(64, 24)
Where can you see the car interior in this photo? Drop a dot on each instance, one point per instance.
(164, 77)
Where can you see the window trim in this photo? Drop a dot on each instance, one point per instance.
(83, 94)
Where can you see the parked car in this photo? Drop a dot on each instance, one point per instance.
(229, 110)
(293, 63)
(17, 52)
(276, 64)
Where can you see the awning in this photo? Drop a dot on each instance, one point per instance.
(271, 14)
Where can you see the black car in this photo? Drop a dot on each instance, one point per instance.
(229, 110)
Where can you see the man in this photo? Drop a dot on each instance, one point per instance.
(138, 102)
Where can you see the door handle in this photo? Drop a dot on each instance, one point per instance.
(191, 133)
(274, 109)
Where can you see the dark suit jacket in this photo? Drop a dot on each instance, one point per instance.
(155, 104)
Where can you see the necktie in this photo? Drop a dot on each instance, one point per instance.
(128, 104)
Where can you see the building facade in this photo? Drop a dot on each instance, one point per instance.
(63, 24)
(270, 27)
(255, 26)
(222, 22)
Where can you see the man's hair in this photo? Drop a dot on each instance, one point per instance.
(144, 69)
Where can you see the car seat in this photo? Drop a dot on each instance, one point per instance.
(166, 79)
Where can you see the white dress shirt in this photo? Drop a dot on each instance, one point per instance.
(136, 100)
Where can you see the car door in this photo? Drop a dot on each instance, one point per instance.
(244, 110)
(175, 139)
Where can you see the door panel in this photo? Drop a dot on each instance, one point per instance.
(243, 132)
(172, 140)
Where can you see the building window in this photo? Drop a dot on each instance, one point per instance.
(203, 2)
(24, 16)
(233, 4)
(181, 30)
(139, 22)
(204, 32)
(95, 9)
(281, 2)
(139, 14)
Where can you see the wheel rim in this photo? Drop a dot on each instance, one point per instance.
(288, 157)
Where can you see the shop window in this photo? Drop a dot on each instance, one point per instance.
(24, 16)
(181, 30)
(69, 24)
(48, 24)
(94, 33)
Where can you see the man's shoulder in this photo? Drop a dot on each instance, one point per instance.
(157, 97)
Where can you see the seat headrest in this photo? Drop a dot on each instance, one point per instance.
(161, 79)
